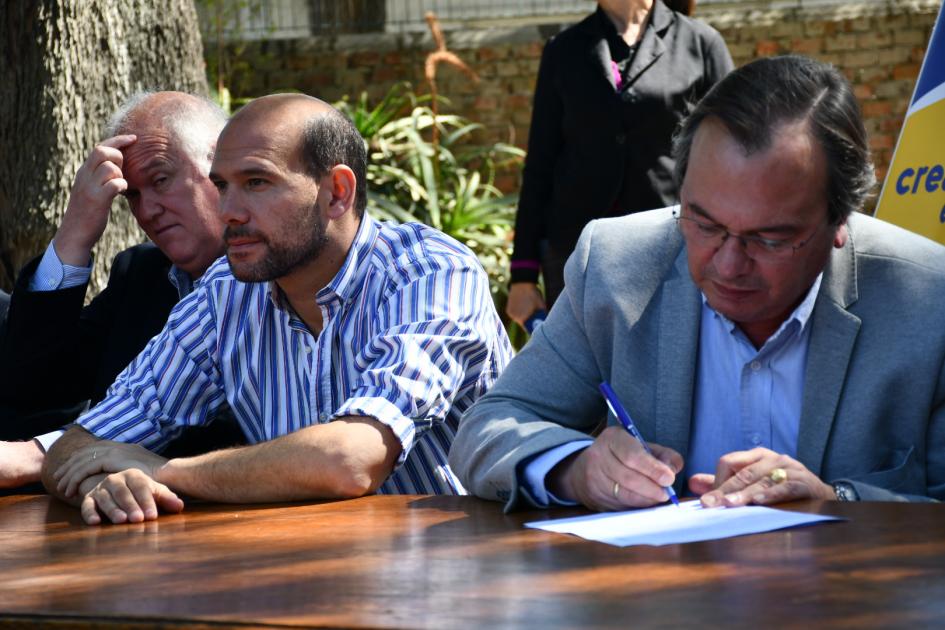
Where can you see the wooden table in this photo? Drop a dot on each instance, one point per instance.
(448, 561)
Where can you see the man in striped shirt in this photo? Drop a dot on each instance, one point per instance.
(347, 349)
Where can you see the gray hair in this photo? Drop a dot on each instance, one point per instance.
(194, 122)
(757, 98)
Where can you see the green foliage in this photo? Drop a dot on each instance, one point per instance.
(447, 184)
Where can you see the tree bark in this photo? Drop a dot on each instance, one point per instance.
(65, 66)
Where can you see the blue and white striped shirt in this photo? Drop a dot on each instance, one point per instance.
(410, 337)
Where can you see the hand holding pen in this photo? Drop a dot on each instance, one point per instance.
(621, 413)
(615, 472)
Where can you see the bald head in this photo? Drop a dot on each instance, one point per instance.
(294, 110)
(192, 122)
(306, 129)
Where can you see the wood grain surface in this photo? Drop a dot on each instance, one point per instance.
(439, 562)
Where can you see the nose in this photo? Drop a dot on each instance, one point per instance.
(149, 207)
(232, 208)
(730, 259)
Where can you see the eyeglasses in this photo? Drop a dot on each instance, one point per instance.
(713, 235)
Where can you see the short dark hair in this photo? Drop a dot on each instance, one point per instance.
(754, 100)
(329, 139)
(686, 7)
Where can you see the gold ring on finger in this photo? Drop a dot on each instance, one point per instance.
(616, 489)
(778, 475)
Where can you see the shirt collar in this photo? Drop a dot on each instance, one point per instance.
(182, 281)
(619, 49)
(350, 278)
(659, 18)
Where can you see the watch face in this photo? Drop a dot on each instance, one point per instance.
(844, 491)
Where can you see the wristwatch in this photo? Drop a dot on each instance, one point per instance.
(845, 491)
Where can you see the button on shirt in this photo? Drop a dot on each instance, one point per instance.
(410, 337)
(747, 397)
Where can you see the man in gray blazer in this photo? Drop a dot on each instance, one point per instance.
(768, 343)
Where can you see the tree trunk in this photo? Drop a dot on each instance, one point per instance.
(65, 65)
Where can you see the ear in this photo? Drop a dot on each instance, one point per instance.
(840, 236)
(343, 186)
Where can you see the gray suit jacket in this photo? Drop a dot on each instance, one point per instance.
(873, 411)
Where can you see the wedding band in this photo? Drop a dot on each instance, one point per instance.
(778, 475)
(616, 489)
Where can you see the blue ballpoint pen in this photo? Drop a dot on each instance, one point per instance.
(617, 409)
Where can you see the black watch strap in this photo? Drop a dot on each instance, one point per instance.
(845, 491)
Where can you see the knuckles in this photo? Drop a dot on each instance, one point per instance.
(745, 476)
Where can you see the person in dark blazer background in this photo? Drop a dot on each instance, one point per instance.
(56, 355)
(610, 92)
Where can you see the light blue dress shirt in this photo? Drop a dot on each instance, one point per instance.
(747, 397)
(52, 274)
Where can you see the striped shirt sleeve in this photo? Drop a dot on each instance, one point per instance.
(171, 384)
(429, 344)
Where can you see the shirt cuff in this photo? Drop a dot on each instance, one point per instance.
(537, 470)
(523, 275)
(52, 274)
(46, 440)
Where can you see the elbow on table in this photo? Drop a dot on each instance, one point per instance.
(357, 485)
(358, 460)
(350, 478)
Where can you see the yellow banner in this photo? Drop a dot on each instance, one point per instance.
(913, 195)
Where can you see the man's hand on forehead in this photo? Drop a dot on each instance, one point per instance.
(96, 184)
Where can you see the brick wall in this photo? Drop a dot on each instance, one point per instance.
(879, 45)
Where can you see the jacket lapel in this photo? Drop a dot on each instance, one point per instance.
(832, 338)
(678, 345)
(598, 53)
(600, 59)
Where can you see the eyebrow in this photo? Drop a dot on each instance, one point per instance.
(786, 228)
(252, 171)
(155, 163)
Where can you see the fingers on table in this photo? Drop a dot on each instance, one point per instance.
(89, 510)
(731, 463)
(130, 496)
(748, 479)
(101, 502)
(701, 483)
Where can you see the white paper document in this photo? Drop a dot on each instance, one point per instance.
(668, 524)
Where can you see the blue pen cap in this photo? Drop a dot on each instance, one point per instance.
(536, 320)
